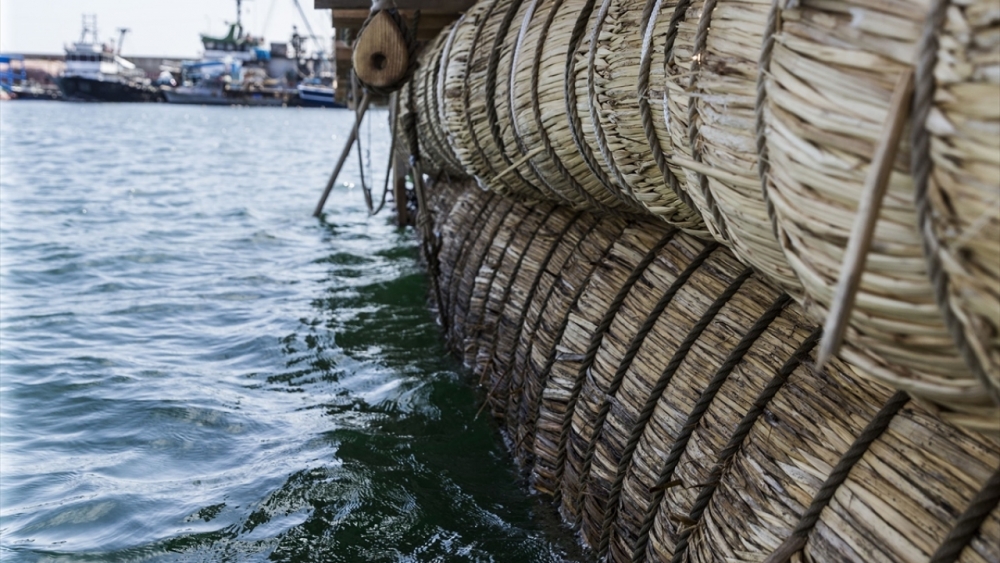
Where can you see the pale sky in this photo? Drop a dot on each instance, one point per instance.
(168, 28)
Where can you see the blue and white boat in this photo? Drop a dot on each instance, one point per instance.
(313, 93)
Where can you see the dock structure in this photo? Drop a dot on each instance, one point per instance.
(348, 17)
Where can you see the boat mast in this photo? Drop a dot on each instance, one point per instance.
(89, 26)
(312, 34)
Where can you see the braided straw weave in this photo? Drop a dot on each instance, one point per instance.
(616, 33)
(957, 171)
(491, 87)
(526, 130)
(760, 117)
(551, 120)
(715, 71)
(435, 149)
(667, 395)
(470, 33)
(831, 76)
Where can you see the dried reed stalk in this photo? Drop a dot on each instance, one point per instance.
(562, 233)
(542, 353)
(467, 280)
(581, 431)
(832, 73)
(435, 149)
(613, 72)
(964, 186)
(721, 92)
(488, 93)
(537, 227)
(552, 120)
(679, 77)
(559, 289)
(717, 432)
(476, 333)
(525, 114)
(459, 92)
(560, 395)
(517, 52)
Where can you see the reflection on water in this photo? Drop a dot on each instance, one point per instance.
(192, 369)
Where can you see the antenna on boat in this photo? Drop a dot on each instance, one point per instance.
(121, 39)
(312, 34)
(89, 26)
(239, 16)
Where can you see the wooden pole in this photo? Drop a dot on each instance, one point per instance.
(362, 108)
(399, 166)
(869, 206)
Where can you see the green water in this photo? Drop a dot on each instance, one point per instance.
(194, 369)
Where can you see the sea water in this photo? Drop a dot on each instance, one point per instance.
(192, 368)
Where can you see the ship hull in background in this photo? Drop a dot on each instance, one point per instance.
(90, 90)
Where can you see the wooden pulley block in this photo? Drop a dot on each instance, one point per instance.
(380, 56)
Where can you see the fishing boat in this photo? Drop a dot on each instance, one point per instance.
(237, 44)
(226, 83)
(313, 93)
(202, 82)
(232, 71)
(96, 71)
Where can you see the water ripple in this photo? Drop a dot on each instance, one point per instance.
(193, 369)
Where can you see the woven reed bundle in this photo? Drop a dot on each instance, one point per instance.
(472, 216)
(680, 41)
(881, 512)
(455, 236)
(434, 89)
(433, 139)
(537, 351)
(540, 102)
(543, 323)
(585, 134)
(565, 229)
(433, 149)
(710, 53)
(617, 31)
(832, 72)
(655, 317)
(453, 256)
(561, 233)
(646, 380)
(483, 277)
(428, 145)
(538, 230)
(455, 96)
(772, 332)
(526, 133)
(549, 367)
(959, 201)
(405, 104)
(489, 59)
(464, 283)
(512, 53)
(719, 437)
(585, 324)
(715, 134)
